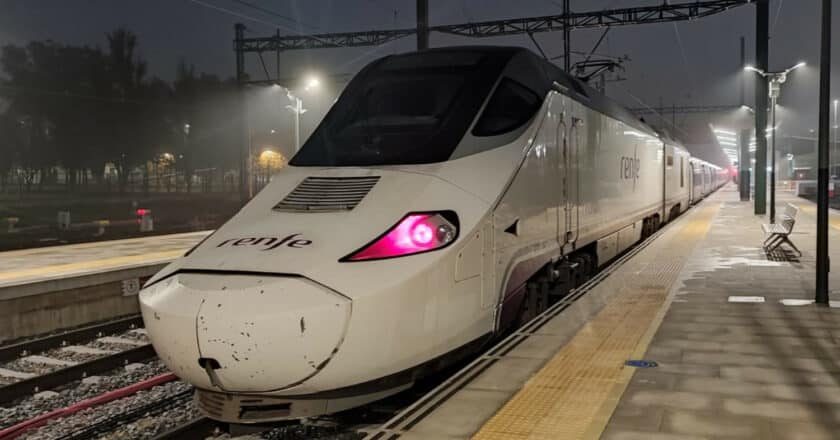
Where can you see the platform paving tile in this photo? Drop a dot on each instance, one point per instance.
(683, 369)
(778, 376)
(720, 358)
(646, 380)
(614, 433)
(787, 430)
(682, 328)
(638, 418)
(714, 425)
(817, 348)
(461, 415)
(665, 353)
(539, 347)
(672, 399)
(784, 410)
(507, 374)
(758, 371)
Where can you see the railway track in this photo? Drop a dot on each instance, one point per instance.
(151, 408)
(378, 420)
(41, 364)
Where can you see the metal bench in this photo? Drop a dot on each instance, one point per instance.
(777, 233)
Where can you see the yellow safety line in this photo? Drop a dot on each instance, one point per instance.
(105, 263)
(574, 395)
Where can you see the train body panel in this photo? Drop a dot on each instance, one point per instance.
(405, 232)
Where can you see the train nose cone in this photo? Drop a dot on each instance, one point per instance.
(250, 333)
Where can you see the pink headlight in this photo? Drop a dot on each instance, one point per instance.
(421, 234)
(415, 233)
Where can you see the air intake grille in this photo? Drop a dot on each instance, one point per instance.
(327, 194)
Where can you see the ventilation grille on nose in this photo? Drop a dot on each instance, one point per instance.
(327, 194)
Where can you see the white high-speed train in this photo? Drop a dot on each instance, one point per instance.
(447, 196)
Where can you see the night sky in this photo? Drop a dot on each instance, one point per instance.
(692, 63)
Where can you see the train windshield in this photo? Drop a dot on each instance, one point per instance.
(407, 109)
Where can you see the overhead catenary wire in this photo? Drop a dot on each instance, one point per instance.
(236, 14)
(285, 28)
(688, 72)
(265, 22)
(659, 115)
(273, 13)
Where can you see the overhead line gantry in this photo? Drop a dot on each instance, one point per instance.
(517, 26)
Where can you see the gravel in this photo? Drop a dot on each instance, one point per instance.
(149, 427)
(297, 432)
(146, 428)
(76, 391)
(61, 353)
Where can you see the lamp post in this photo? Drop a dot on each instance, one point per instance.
(312, 83)
(776, 79)
(834, 137)
(298, 110)
(185, 164)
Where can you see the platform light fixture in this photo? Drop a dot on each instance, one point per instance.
(728, 142)
(775, 80)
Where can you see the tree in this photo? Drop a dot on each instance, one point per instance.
(125, 132)
(8, 150)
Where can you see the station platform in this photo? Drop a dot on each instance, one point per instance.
(655, 349)
(50, 288)
(57, 262)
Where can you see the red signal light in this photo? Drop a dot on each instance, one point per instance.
(141, 212)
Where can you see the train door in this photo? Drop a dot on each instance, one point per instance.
(562, 139)
(571, 177)
(695, 182)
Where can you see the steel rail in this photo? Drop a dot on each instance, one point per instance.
(82, 334)
(151, 409)
(79, 371)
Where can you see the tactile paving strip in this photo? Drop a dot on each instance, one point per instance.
(574, 394)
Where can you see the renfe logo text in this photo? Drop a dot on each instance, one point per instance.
(268, 243)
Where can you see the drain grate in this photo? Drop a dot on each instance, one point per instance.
(639, 363)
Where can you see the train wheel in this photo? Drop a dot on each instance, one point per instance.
(646, 227)
(530, 304)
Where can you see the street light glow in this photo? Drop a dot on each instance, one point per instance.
(312, 83)
(753, 69)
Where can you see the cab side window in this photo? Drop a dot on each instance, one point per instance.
(510, 106)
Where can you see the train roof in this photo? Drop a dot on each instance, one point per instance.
(541, 80)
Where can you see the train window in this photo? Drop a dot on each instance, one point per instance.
(510, 106)
(411, 109)
(670, 161)
(682, 172)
